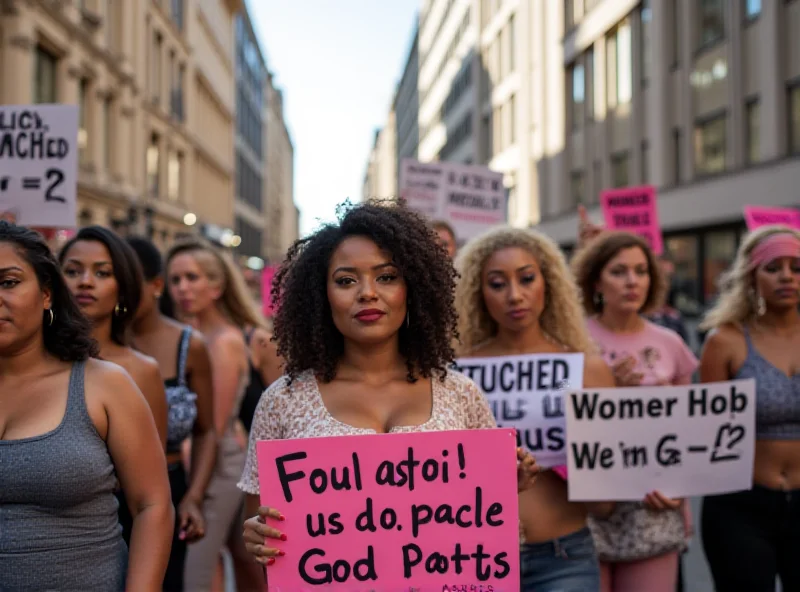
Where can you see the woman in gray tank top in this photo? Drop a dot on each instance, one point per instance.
(70, 426)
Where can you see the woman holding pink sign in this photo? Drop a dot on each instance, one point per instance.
(365, 325)
(621, 280)
(756, 335)
(517, 296)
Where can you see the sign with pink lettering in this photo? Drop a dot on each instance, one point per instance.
(267, 275)
(634, 209)
(423, 511)
(756, 216)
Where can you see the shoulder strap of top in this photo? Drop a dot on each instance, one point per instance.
(747, 338)
(183, 355)
(76, 397)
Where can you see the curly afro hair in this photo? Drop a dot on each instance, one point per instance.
(303, 326)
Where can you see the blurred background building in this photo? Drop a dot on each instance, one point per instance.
(171, 95)
(700, 98)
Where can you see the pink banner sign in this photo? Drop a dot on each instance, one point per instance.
(267, 275)
(634, 209)
(424, 511)
(756, 216)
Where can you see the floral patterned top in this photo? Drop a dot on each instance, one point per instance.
(296, 410)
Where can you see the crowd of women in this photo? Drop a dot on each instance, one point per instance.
(130, 385)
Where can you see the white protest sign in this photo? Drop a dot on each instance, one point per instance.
(39, 164)
(471, 198)
(526, 393)
(680, 440)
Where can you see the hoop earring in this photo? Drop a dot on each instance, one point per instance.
(120, 310)
(52, 317)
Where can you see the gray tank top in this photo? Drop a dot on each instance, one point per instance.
(58, 514)
(777, 396)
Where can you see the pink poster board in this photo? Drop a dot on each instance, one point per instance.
(424, 511)
(267, 274)
(634, 209)
(756, 216)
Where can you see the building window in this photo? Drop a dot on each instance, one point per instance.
(83, 132)
(645, 162)
(108, 145)
(676, 33)
(646, 14)
(711, 23)
(512, 115)
(620, 169)
(153, 165)
(511, 44)
(684, 292)
(177, 13)
(590, 69)
(156, 71)
(752, 114)
(174, 167)
(719, 250)
(577, 187)
(578, 95)
(752, 8)
(45, 84)
(620, 66)
(794, 119)
(710, 145)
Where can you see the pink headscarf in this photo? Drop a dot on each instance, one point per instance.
(783, 244)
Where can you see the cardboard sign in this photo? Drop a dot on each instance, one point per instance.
(756, 216)
(526, 393)
(470, 198)
(39, 164)
(681, 440)
(634, 209)
(427, 511)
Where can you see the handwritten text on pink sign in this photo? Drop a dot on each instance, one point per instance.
(424, 511)
(757, 216)
(634, 209)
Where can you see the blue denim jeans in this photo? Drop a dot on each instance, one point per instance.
(566, 564)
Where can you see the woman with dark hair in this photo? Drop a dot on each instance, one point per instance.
(620, 281)
(104, 276)
(365, 324)
(70, 426)
(182, 355)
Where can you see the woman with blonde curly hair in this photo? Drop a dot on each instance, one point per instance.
(620, 281)
(756, 334)
(516, 296)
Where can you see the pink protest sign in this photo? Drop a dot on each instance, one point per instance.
(634, 209)
(424, 511)
(267, 274)
(756, 216)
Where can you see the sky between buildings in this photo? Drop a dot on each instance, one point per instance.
(338, 62)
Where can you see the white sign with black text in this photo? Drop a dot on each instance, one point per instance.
(526, 393)
(683, 441)
(39, 164)
(471, 198)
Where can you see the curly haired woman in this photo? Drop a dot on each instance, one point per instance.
(621, 280)
(365, 324)
(517, 297)
(757, 335)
